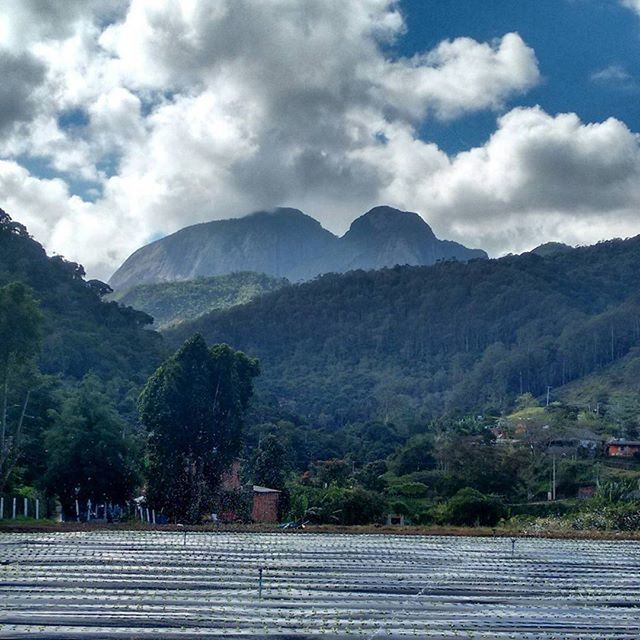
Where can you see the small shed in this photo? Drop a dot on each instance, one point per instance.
(623, 448)
(266, 502)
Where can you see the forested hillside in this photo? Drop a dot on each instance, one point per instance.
(81, 333)
(409, 343)
(173, 302)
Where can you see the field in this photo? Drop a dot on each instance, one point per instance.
(134, 584)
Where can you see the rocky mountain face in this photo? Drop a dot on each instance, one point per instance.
(286, 243)
(384, 237)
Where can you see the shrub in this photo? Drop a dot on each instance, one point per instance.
(471, 508)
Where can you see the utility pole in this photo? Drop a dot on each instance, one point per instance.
(553, 481)
(548, 395)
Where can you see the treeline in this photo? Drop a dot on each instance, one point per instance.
(60, 345)
(410, 343)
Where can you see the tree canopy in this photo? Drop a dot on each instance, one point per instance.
(193, 407)
(20, 327)
(89, 453)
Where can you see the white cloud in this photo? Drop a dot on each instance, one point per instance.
(632, 4)
(196, 110)
(537, 178)
(616, 77)
(463, 75)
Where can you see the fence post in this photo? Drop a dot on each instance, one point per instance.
(26, 507)
(14, 509)
(37, 508)
(1, 508)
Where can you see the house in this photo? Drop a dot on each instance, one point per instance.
(263, 502)
(582, 443)
(623, 448)
(266, 503)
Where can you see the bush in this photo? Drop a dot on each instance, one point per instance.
(336, 505)
(617, 517)
(410, 490)
(469, 507)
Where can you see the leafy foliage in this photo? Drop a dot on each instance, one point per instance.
(409, 343)
(81, 333)
(193, 407)
(89, 452)
(20, 323)
(170, 303)
(470, 507)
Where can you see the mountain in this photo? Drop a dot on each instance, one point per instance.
(406, 344)
(274, 242)
(384, 237)
(169, 303)
(286, 243)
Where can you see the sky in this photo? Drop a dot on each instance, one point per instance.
(504, 123)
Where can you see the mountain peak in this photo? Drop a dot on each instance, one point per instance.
(389, 220)
(277, 213)
(285, 242)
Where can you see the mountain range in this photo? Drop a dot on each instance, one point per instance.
(286, 243)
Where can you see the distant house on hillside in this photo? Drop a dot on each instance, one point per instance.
(623, 448)
(582, 443)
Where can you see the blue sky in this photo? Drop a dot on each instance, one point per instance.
(573, 40)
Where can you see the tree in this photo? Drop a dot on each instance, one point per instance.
(416, 455)
(193, 408)
(20, 322)
(471, 508)
(270, 463)
(89, 455)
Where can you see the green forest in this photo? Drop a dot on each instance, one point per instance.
(170, 303)
(413, 343)
(457, 394)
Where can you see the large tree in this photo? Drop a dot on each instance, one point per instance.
(20, 323)
(193, 407)
(89, 452)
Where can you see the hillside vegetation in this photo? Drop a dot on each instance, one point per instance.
(408, 343)
(170, 303)
(418, 391)
(81, 333)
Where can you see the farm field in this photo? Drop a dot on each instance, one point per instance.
(147, 584)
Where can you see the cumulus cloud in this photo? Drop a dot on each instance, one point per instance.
(171, 113)
(21, 75)
(537, 177)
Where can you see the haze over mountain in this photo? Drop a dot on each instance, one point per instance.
(287, 243)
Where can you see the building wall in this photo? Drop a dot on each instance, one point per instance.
(265, 507)
(230, 479)
(623, 450)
